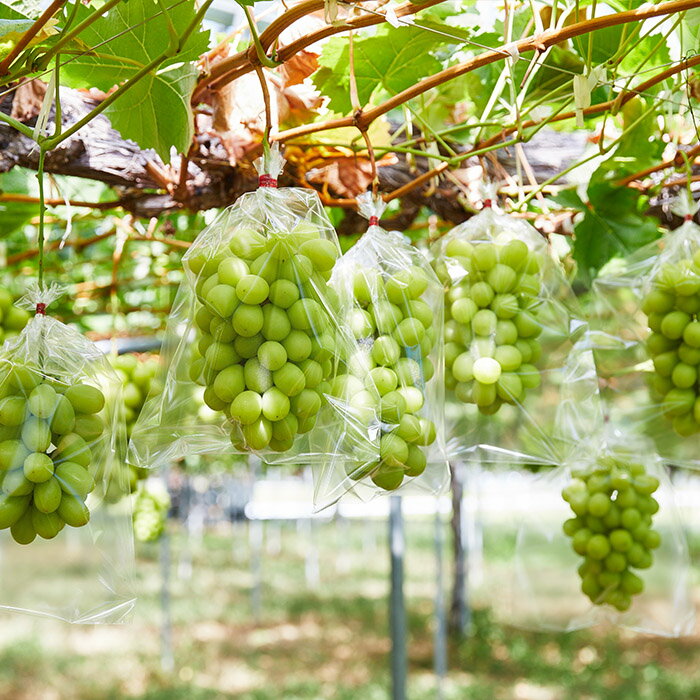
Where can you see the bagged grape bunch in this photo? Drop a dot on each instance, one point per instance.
(647, 340)
(254, 327)
(61, 445)
(605, 543)
(389, 389)
(12, 318)
(511, 323)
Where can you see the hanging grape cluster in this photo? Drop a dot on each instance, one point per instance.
(386, 374)
(613, 504)
(265, 342)
(491, 325)
(150, 513)
(47, 429)
(672, 307)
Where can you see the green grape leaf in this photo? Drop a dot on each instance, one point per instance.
(15, 214)
(156, 112)
(19, 9)
(652, 50)
(393, 58)
(613, 224)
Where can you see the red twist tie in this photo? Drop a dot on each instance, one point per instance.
(374, 221)
(487, 204)
(267, 181)
(688, 217)
(41, 309)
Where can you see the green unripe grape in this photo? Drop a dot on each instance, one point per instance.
(580, 541)
(674, 324)
(598, 547)
(691, 334)
(630, 518)
(417, 308)
(286, 429)
(42, 401)
(615, 562)
(74, 479)
(571, 526)
(397, 288)
(275, 404)
(308, 315)
(482, 295)
(657, 302)
(272, 355)
(529, 285)
(691, 304)
(689, 355)
(366, 286)
(590, 586)
(599, 505)
(486, 371)
(409, 428)
(684, 376)
(515, 254)
(298, 269)
(89, 427)
(382, 379)
(231, 270)
(12, 454)
(229, 383)
(297, 346)
(47, 496)
(408, 372)
(463, 310)
(252, 290)
(258, 434)
(85, 398)
(12, 508)
(385, 350)
(415, 462)
(609, 579)
(360, 323)
(247, 348)
(428, 432)
(505, 306)
(221, 300)
(484, 322)
(212, 400)
(220, 355)
(386, 316)
(246, 407)
(248, 244)
(267, 266)
(413, 397)
(652, 540)
(484, 395)
(393, 451)
(506, 333)
(392, 407)
(484, 256)
(527, 325)
(313, 373)
(289, 379)
(685, 425)
(257, 378)
(501, 278)
(665, 363)
(530, 376)
(409, 332)
(322, 253)
(283, 293)
(23, 531)
(621, 540)
(247, 320)
(38, 467)
(631, 583)
(73, 511)
(23, 379)
(388, 477)
(463, 368)
(305, 404)
(47, 525)
(509, 387)
(221, 330)
(654, 321)
(508, 357)
(36, 434)
(13, 410)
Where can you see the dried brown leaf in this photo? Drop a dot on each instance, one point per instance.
(27, 100)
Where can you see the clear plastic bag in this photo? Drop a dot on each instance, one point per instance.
(627, 564)
(512, 323)
(12, 318)
(389, 390)
(66, 551)
(646, 340)
(255, 326)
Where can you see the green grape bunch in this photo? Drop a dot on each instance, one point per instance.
(491, 321)
(386, 375)
(613, 505)
(150, 513)
(672, 308)
(265, 342)
(138, 378)
(12, 318)
(47, 431)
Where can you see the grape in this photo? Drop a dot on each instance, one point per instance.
(278, 344)
(386, 374)
(491, 327)
(44, 467)
(150, 513)
(608, 529)
(12, 318)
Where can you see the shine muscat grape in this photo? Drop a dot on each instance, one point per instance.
(672, 307)
(138, 380)
(265, 343)
(47, 429)
(613, 504)
(491, 325)
(389, 368)
(150, 513)
(12, 318)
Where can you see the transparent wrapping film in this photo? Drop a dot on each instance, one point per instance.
(595, 540)
(513, 339)
(646, 342)
(254, 331)
(389, 390)
(66, 548)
